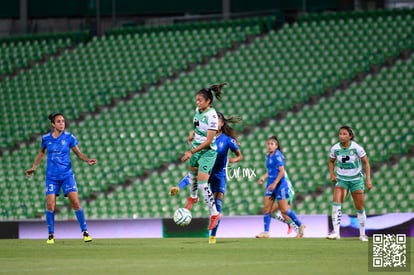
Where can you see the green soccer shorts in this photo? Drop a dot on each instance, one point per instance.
(204, 160)
(352, 185)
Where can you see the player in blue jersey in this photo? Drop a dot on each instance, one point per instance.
(276, 188)
(347, 156)
(203, 153)
(59, 174)
(226, 139)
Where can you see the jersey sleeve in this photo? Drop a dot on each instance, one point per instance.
(332, 153)
(279, 160)
(233, 145)
(72, 141)
(361, 151)
(213, 121)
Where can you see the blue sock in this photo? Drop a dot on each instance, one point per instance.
(184, 182)
(50, 220)
(80, 215)
(267, 218)
(293, 216)
(219, 202)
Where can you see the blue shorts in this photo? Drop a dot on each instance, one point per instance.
(217, 183)
(281, 192)
(67, 184)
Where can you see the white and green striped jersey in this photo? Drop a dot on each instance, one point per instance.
(348, 161)
(203, 122)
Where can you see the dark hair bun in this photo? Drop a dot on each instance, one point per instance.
(53, 115)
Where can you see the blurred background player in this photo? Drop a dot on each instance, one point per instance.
(59, 174)
(203, 154)
(282, 217)
(276, 188)
(347, 155)
(226, 139)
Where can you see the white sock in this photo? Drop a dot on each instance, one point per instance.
(280, 218)
(294, 225)
(336, 218)
(193, 184)
(362, 219)
(208, 197)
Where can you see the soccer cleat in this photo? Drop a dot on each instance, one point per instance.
(290, 228)
(212, 240)
(363, 238)
(190, 202)
(174, 190)
(333, 236)
(214, 219)
(51, 239)
(301, 231)
(263, 235)
(86, 237)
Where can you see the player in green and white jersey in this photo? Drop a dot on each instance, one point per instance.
(347, 156)
(203, 154)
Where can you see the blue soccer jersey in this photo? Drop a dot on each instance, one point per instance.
(273, 162)
(224, 143)
(58, 154)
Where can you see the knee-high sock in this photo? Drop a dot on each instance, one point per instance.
(218, 206)
(80, 215)
(336, 217)
(362, 219)
(208, 197)
(267, 218)
(50, 221)
(293, 217)
(278, 216)
(193, 184)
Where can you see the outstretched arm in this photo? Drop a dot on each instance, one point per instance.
(38, 159)
(82, 156)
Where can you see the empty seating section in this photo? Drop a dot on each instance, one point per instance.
(18, 51)
(307, 135)
(273, 73)
(107, 68)
(71, 83)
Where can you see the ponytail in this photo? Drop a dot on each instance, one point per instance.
(226, 128)
(207, 93)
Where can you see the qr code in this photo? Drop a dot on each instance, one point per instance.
(389, 251)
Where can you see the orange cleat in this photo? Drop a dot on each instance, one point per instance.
(190, 202)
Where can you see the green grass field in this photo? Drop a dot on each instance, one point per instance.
(186, 256)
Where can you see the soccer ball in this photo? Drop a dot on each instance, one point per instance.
(182, 216)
